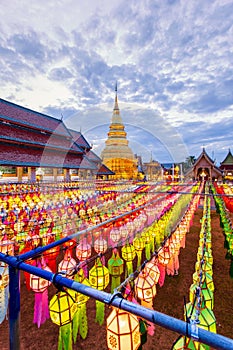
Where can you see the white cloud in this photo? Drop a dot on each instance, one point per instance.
(172, 57)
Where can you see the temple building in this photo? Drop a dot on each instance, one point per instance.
(117, 155)
(227, 166)
(204, 168)
(35, 145)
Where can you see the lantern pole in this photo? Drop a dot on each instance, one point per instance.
(14, 308)
(187, 329)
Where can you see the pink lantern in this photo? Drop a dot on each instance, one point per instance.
(83, 250)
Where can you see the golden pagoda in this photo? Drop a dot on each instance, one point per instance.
(117, 155)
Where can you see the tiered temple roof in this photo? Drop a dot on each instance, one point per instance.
(29, 138)
(227, 163)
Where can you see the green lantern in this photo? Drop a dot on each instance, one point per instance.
(206, 280)
(206, 318)
(80, 318)
(115, 267)
(207, 296)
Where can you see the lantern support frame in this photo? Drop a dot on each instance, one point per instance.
(214, 340)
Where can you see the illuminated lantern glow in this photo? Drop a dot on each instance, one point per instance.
(83, 250)
(145, 289)
(128, 254)
(146, 236)
(115, 267)
(62, 308)
(163, 260)
(101, 246)
(40, 287)
(164, 256)
(68, 264)
(7, 246)
(115, 235)
(99, 275)
(124, 232)
(152, 269)
(139, 245)
(123, 332)
(99, 279)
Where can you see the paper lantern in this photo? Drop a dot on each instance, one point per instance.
(100, 245)
(152, 269)
(62, 307)
(206, 318)
(206, 295)
(123, 332)
(83, 250)
(7, 246)
(68, 264)
(146, 236)
(188, 343)
(206, 280)
(115, 234)
(164, 256)
(4, 290)
(99, 278)
(99, 275)
(139, 245)
(124, 232)
(39, 284)
(128, 254)
(115, 267)
(4, 275)
(145, 288)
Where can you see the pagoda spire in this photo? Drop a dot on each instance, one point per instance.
(116, 108)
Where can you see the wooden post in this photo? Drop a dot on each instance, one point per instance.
(19, 173)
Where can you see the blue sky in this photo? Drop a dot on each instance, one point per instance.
(173, 60)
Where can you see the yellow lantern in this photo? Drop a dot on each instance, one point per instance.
(99, 275)
(99, 278)
(139, 245)
(128, 254)
(62, 307)
(123, 331)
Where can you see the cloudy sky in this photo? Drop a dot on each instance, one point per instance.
(172, 59)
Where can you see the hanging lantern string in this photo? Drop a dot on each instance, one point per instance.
(197, 298)
(135, 274)
(86, 262)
